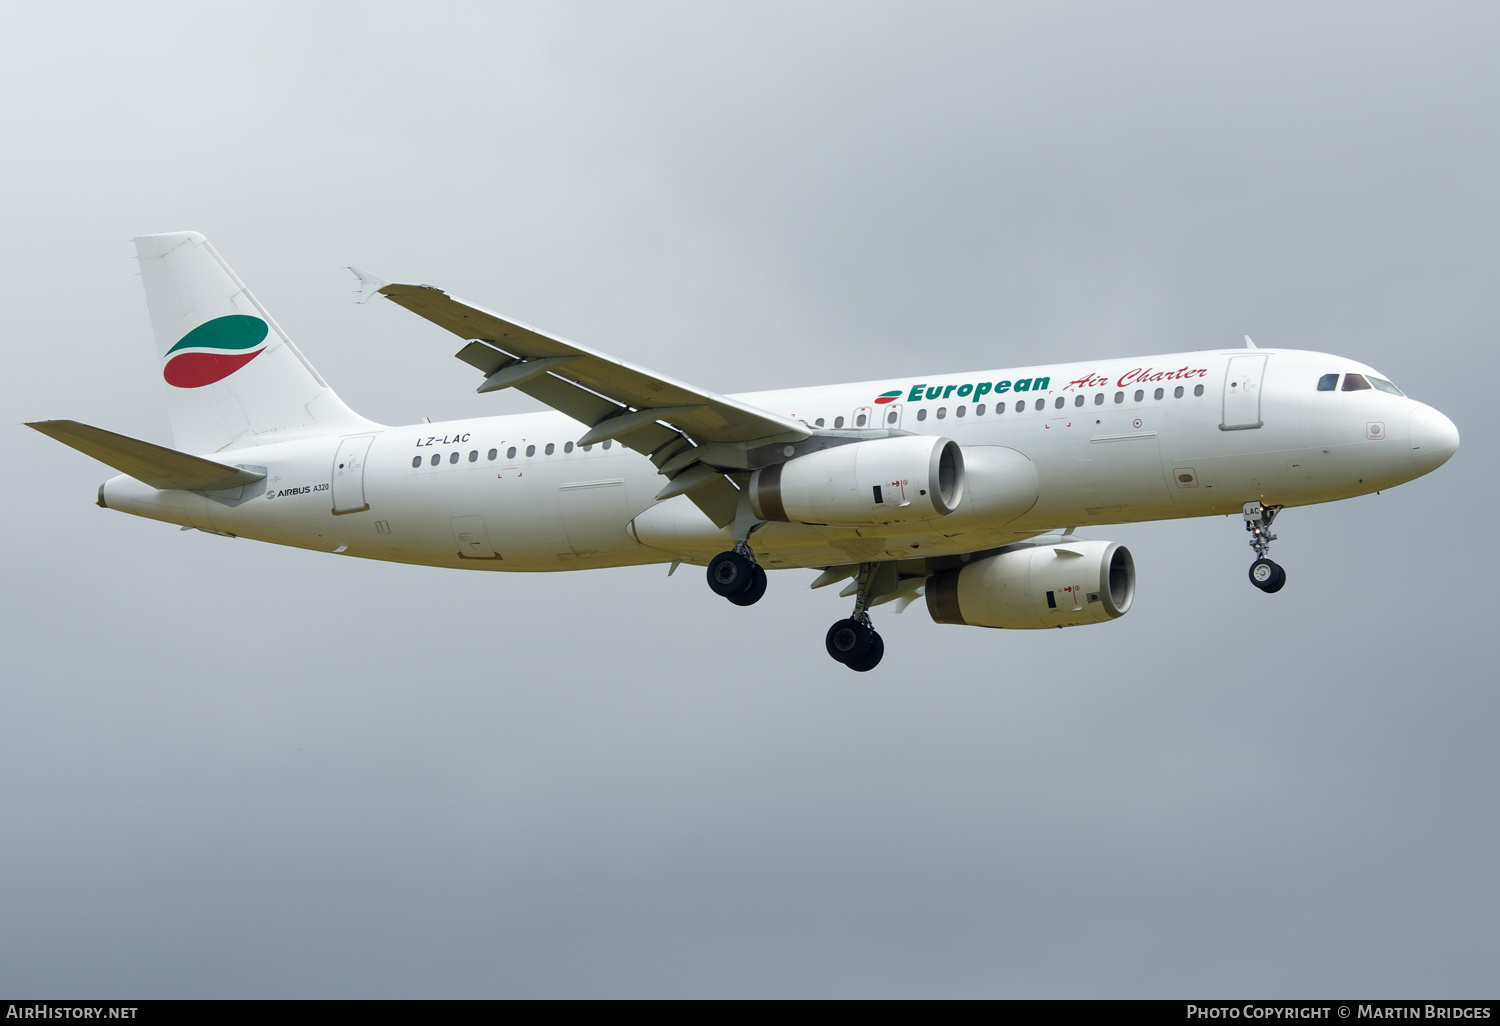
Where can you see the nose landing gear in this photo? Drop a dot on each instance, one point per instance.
(1266, 575)
(853, 640)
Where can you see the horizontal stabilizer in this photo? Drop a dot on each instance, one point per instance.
(155, 465)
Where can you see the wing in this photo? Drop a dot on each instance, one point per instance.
(693, 436)
(150, 464)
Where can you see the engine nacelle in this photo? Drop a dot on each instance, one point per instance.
(1063, 584)
(897, 480)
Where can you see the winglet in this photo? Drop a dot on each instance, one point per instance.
(1249, 344)
(369, 284)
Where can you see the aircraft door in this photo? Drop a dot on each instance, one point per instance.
(1242, 387)
(349, 475)
(1127, 472)
(861, 418)
(889, 416)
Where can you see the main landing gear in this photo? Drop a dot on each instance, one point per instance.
(737, 576)
(1264, 574)
(853, 641)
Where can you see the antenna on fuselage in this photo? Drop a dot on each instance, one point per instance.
(1249, 344)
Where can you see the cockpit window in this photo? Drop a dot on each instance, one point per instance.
(1384, 385)
(1355, 382)
(1328, 382)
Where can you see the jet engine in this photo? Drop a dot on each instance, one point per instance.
(881, 481)
(1062, 584)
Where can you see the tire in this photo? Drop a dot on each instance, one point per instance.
(1277, 584)
(752, 594)
(730, 573)
(1265, 574)
(848, 640)
(871, 658)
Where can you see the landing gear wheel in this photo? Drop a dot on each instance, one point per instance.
(871, 658)
(849, 641)
(1280, 581)
(1267, 576)
(731, 573)
(752, 594)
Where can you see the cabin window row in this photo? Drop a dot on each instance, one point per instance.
(860, 420)
(1062, 401)
(510, 453)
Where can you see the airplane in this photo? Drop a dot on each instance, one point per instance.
(962, 490)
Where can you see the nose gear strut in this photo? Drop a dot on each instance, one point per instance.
(1266, 575)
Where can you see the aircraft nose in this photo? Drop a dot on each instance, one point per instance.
(1434, 439)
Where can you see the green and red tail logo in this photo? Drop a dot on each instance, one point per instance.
(214, 350)
(887, 397)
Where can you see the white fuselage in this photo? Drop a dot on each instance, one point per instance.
(1117, 441)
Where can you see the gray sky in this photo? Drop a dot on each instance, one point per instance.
(235, 770)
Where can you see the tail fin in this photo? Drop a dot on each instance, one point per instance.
(232, 376)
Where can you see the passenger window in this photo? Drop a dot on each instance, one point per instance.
(1385, 386)
(1197, 389)
(921, 414)
(453, 458)
(1355, 382)
(999, 409)
(492, 454)
(531, 450)
(890, 418)
(510, 453)
(1328, 382)
(859, 421)
(1140, 394)
(1099, 399)
(587, 448)
(1119, 397)
(1059, 404)
(473, 455)
(1078, 400)
(979, 410)
(1159, 393)
(1021, 405)
(1177, 392)
(608, 442)
(959, 412)
(818, 422)
(550, 449)
(838, 422)
(436, 459)
(416, 461)
(942, 412)
(567, 447)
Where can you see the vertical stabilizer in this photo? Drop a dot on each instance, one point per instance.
(231, 374)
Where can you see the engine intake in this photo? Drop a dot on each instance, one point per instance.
(881, 481)
(1063, 584)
